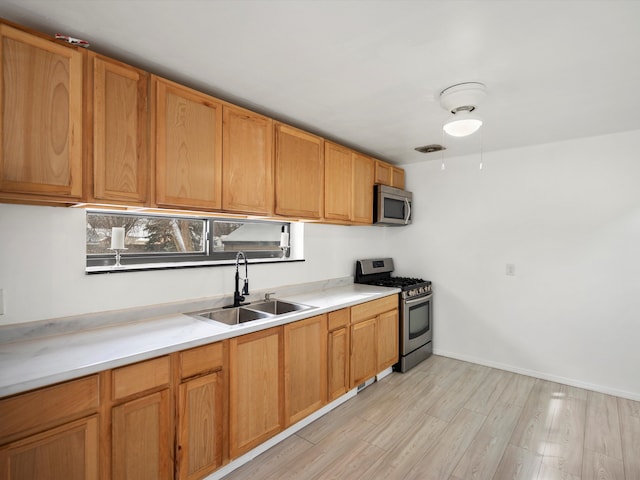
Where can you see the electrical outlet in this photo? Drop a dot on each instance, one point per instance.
(1, 301)
(511, 270)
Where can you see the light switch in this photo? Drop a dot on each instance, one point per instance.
(511, 270)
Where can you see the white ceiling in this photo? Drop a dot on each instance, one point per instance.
(368, 73)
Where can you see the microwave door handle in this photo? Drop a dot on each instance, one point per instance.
(408, 203)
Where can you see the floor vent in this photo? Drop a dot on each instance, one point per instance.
(364, 385)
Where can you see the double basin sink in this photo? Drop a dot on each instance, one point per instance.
(254, 311)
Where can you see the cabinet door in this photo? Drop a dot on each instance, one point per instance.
(388, 344)
(200, 426)
(383, 173)
(188, 147)
(305, 360)
(337, 182)
(299, 168)
(142, 438)
(338, 363)
(397, 177)
(256, 389)
(247, 162)
(69, 452)
(362, 209)
(364, 355)
(41, 108)
(118, 105)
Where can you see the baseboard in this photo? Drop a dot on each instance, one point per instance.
(541, 375)
(263, 447)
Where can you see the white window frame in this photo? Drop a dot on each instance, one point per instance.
(211, 256)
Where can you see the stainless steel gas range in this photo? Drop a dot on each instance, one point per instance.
(416, 309)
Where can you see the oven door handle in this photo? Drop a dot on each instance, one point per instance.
(408, 203)
(418, 300)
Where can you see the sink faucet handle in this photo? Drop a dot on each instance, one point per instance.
(267, 296)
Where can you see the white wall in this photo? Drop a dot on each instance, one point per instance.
(42, 257)
(567, 215)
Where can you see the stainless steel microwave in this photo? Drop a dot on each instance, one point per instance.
(391, 206)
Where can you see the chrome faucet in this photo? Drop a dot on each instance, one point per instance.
(238, 298)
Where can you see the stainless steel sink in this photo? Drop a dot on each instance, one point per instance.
(278, 307)
(233, 316)
(255, 311)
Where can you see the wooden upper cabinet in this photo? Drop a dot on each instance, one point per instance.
(41, 108)
(337, 182)
(383, 173)
(397, 177)
(387, 174)
(188, 147)
(362, 206)
(247, 162)
(117, 97)
(299, 173)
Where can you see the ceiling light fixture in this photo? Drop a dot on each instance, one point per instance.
(461, 100)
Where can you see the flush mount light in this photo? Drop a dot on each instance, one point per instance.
(461, 100)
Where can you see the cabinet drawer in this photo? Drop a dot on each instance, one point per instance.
(140, 377)
(338, 319)
(373, 308)
(45, 408)
(201, 360)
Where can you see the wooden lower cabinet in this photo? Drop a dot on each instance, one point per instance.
(364, 351)
(388, 344)
(68, 452)
(305, 360)
(142, 438)
(256, 389)
(338, 354)
(374, 338)
(217, 401)
(142, 421)
(200, 426)
(51, 432)
(201, 410)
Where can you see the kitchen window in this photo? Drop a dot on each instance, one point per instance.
(153, 241)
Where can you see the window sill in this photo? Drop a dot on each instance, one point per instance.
(173, 265)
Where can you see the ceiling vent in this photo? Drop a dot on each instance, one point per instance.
(434, 147)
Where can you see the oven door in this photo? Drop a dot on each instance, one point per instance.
(416, 323)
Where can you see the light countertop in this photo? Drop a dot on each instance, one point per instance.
(32, 360)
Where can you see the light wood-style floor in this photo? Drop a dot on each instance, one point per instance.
(452, 420)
